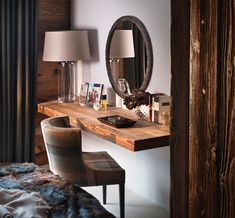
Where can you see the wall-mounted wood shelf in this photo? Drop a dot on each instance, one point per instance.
(142, 135)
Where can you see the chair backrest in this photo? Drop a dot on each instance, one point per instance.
(63, 146)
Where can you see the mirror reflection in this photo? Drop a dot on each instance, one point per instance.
(129, 56)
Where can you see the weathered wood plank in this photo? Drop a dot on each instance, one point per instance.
(203, 121)
(226, 108)
(143, 135)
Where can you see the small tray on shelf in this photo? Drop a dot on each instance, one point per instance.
(117, 121)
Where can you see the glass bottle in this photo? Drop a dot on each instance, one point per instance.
(104, 102)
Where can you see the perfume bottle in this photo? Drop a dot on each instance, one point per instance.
(103, 102)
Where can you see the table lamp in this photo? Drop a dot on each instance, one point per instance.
(66, 47)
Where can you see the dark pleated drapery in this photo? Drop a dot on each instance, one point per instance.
(18, 64)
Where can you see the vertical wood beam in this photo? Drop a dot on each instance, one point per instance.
(210, 149)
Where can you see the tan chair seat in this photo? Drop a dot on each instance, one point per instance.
(104, 168)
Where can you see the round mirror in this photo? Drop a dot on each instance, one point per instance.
(129, 56)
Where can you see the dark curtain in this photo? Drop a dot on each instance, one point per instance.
(140, 56)
(18, 64)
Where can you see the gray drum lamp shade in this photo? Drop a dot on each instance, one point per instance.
(62, 46)
(122, 45)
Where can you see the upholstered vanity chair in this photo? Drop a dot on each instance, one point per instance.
(66, 159)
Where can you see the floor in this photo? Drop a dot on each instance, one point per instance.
(136, 206)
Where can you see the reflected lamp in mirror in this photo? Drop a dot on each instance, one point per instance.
(122, 46)
(66, 47)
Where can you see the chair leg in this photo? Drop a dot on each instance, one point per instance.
(104, 193)
(122, 200)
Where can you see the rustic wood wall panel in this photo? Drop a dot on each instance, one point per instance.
(40, 150)
(226, 107)
(180, 114)
(53, 15)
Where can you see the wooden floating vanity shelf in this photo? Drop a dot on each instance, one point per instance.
(142, 135)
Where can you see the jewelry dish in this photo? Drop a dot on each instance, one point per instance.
(117, 121)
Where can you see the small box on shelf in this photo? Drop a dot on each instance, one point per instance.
(160, 108)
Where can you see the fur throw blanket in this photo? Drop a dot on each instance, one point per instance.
(46, 192)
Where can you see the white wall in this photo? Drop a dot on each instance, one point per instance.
(148, 172)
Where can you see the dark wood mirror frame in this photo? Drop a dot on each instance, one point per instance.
(149, 52)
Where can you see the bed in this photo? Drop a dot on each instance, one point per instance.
(63, 198)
